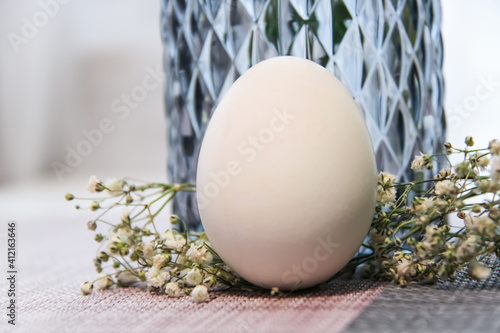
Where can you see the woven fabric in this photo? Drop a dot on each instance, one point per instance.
(327, 309)
(55, 257)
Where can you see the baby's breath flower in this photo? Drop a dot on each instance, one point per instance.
(126, 234)
(103, 282)
(468, 248)
(422, 205)
(483, 162)
(125, 217)
(483, 225)
(159, 260)
(172, 289)
(209, 281)
(419, 162)
(94, 185)
(94, 205)
(114, 185)
(386, 196)
(174, 219)
(495, 168)
(91, 225)
(174, 242)
(386, 179)
(444, 173)
(199, 294)
(199, 255)
(446, 187)
(194, 277)
(478, 270)
(494, 147)
(433, 238)
(86, 288)
(181, 259)
(148, 250)
(157, 277)
(125, 278)
(405, 269)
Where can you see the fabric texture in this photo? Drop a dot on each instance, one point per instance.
(51, 268)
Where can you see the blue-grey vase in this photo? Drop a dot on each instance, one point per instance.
(388, 54)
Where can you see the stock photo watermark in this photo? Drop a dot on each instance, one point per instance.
(324, 249)
(11, 308)
(121, 107)
(248, 149)
(30, 27)
(460, 112)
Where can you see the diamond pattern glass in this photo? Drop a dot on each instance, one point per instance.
(387, 53)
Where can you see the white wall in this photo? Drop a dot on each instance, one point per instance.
(64, 80)
(91, 52)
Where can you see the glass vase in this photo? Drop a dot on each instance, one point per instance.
(388, 54)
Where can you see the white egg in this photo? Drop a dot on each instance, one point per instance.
(286, 180)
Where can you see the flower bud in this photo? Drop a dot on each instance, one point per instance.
(469, 141)
(68, 197)
(98, 238)
(447, 145)
(103, 256)
(94, 205)
(129, 199)
(86, 288)
(91, 225)
(174, 219)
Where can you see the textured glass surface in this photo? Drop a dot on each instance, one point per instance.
(388, 54)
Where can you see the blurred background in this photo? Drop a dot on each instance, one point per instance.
(66, 82)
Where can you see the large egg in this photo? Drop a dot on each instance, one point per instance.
(286, 180)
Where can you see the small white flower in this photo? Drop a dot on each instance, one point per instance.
(385, 178)
(199, 294)
(114, 185)
(194, 277)
(181, 259)
(405, 269)
(494, 147)
(387, 196)
(376, 237)
(126, 234)
(446, 187)
(94, 185)
(419, 162)
(125, 217)
(483, 162)
(495, 168)
(483, 225)
(478, 270)
(200, 256)
(157, 277)
(175, 243)
(159, 260)
(103, 282)
(468, 248)
(86, 288)
(126, 278)
(422, 205)
(172, 289)
(148, 250)
(209, 281)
